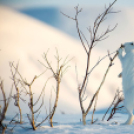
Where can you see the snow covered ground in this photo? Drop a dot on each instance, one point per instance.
(70, 124)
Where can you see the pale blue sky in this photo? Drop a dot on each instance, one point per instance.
(38, 3)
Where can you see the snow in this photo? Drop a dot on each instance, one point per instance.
(127, 77)
(26, 39)
(70, 124)
(124, 20)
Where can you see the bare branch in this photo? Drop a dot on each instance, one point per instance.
(104, 35)
(37, 116)
(60, 71)
(67, 16)
(94, 39)
(42, 121)
(50, 102)
(118, 98)
(91, 34)
(5, 103)
(85, 38)
(42, 91)
(76, 71)
(84, 98)
(24, 81)
(17, 95)
(44, 65)
(77, 10)
(104, 77)
(30, 104)
(65, 62)
(30, 120)
(100, 61)
(64, 71)
(13, 119)
(40, 105)
(94, 109)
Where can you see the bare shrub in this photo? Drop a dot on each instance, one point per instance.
(16, 82)
(3, 109)
(94, 38)
(57, 75)
(118, 98)
(28, 88)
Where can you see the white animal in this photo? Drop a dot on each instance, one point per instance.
(127, 62)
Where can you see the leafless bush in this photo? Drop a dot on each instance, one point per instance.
(118, 98)
(16, 82)
(104, 77)
(94, 38)
(3, 109)
(31, 102)
(57, 75)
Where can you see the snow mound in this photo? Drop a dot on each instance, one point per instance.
(26, 39)
(70, 124)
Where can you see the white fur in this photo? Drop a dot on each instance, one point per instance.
(127, 62)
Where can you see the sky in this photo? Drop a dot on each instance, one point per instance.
(38, 3)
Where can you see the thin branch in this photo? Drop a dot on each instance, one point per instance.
(50, 102)
(94, 109)
(60, 71)
(76, 71)
(100, 61)
(49, 65)
(104, 77)
(13, 118)
(117, 100)
(77, 25)
(42, 121)
(40, 105)
(42, 91)
(84, 98)
(85, 38)
(5, 103)
(67, 16)
(37, 116)
(94, 39)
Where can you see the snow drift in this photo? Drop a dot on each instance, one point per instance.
(26, 39)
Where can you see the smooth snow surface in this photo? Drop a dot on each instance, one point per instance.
(70, 124)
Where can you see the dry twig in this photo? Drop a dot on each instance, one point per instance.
(6, 102)
(94, 37)
(31, 104)
(118, 98)
(104, 77)
(16, 97)
(58, 74)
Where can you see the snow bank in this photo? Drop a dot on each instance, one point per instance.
(25, 39)
(70, 124)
